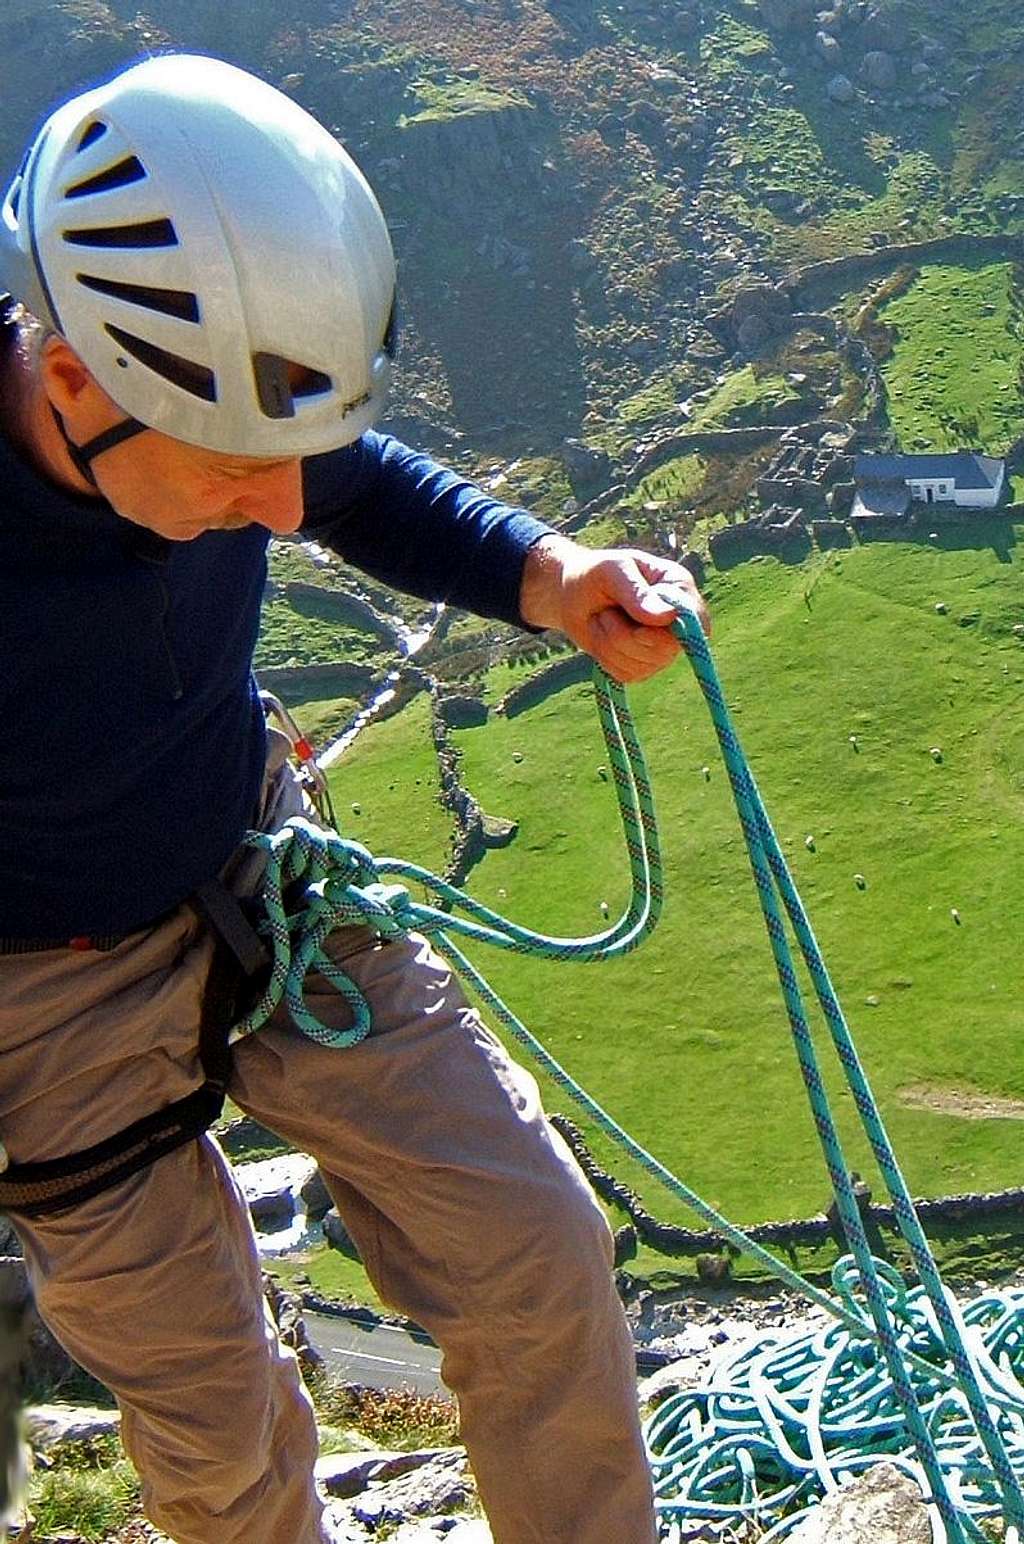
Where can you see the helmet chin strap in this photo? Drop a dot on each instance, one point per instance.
(84, 455)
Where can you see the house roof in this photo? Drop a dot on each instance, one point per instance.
(891, 497)
(968, 468)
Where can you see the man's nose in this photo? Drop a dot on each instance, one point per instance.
(275, 498)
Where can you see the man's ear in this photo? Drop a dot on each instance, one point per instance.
(66, 380)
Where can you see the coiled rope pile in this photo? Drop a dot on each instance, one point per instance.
(911, 1375)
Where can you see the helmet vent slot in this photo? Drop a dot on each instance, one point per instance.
(186, 373)
(169, 302)
(280, 383)
(94, 132)
(122, 175)
(311, 383)
(149, 233)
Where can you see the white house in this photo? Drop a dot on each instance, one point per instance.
(965, 478)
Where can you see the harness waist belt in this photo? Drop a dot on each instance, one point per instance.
(56, 1184)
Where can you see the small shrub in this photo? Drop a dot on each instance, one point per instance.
(396, 1418)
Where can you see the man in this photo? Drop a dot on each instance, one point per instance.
(204, 340)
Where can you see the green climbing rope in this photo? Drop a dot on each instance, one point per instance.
(796, 1419)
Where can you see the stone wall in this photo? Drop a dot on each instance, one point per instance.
(670, 1239)
(468, 842)
(564, 672)
(811, 287)
(347, 608)
(696, 440)
(337, 677)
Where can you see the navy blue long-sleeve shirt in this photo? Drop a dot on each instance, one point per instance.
(131, 738)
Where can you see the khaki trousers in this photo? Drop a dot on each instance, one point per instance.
(470, 1214)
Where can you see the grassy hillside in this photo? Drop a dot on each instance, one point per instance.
(686, 1041)
(955, 375)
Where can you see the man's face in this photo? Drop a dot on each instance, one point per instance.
(175, 489)
(179, 491)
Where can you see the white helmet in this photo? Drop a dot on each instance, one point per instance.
(212, 254)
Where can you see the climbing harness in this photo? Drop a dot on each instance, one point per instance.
(902, 1373)
(41, 1189)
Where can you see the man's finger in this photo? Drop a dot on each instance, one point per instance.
(644, 572)
(618, 644)
(634, 593)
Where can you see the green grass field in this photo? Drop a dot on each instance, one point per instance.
(385, 789)
(955, 375)
(686, 1041)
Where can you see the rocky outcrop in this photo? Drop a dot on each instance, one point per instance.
(27, 1342)
(50, 1425)
(383, 1490)
(880, 1506)
(452, 154)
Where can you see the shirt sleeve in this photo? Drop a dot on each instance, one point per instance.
(402, 518)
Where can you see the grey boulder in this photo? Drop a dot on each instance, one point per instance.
(881, 1506)
(841, 89)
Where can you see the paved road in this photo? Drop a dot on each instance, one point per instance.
(382, 1357)
(387, 1358)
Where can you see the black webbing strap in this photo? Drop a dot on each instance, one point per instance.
(56, 1184)
(84, 455)
(40, 1189)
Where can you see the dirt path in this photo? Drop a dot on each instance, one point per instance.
(968, 1103)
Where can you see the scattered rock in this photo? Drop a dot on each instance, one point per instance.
(714, 1269)
(879, 69)
(589, 471)
(884, 30)
(785, 15)
(50, 1425)
(841, 89)
(881, 1506)
(828, 48)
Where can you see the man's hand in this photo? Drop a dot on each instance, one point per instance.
(604, 601)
